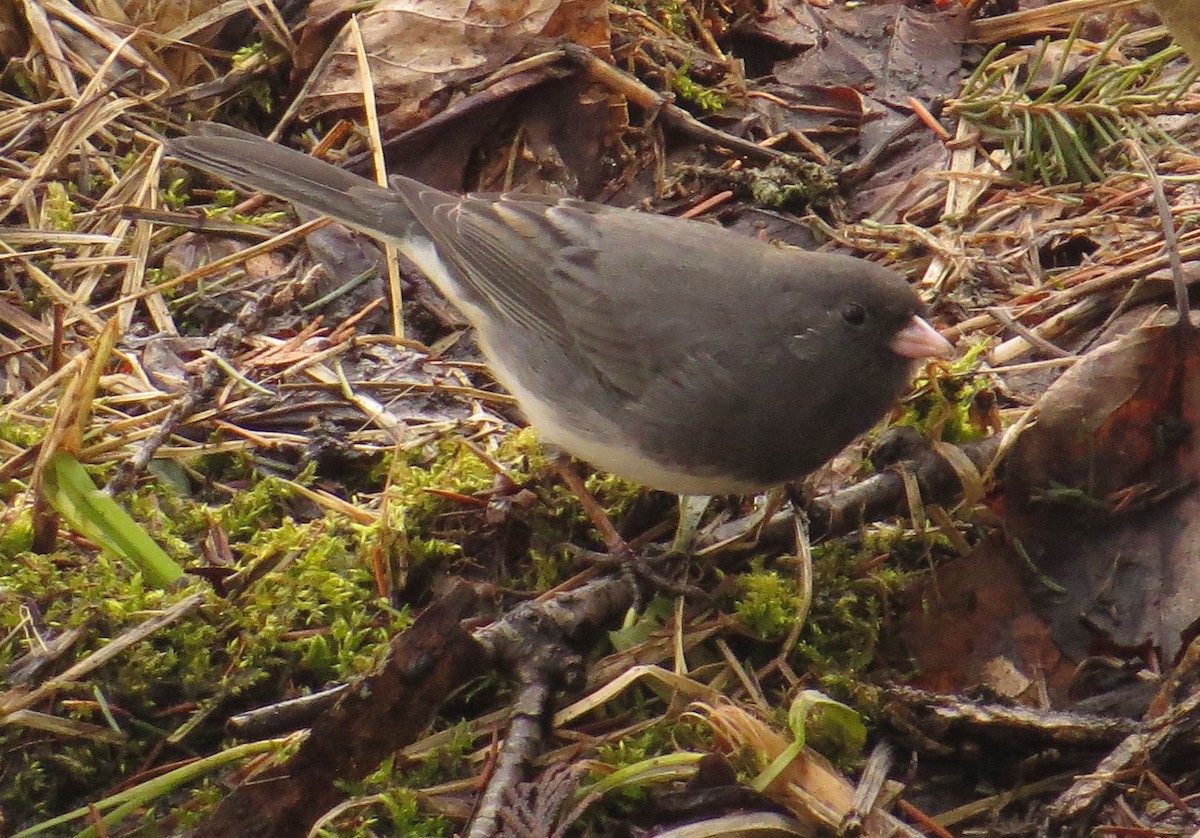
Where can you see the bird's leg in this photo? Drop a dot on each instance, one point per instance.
(773, 501)
(804, 571)
(691, 510)
(617, 548)
(756, 522)
(632, 566)
(591, 507)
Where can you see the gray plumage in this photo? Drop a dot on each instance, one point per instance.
(673, 353)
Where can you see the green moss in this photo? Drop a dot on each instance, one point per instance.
(849, 600)
(259, 507)
(16, 535)
(840, 642)
(302, 612)
(672, 16)
(389, 794)
(615, 495)
(768, 604)
(258, 95)
(58, 207)
(443, 764)
(630, 750)
(21, 434)
(393, 812)
(690, 90)
(549, 568)
(42, 775)
(225, 466)
(26, 85)
(226, 198)
(175, 195)
(945, 400)
(310, 617)
(429, 528)
(786, 183)
(672, 745)
(248, 53)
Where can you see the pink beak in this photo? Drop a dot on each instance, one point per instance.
(919, 340)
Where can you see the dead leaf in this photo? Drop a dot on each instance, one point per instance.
(792, 26)
(13, 40)
(583, 22)
(1102, 495)
(891, 52)
(185, 65)
(972, 614)
(418, 48)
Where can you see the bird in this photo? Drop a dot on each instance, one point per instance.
(673, 353)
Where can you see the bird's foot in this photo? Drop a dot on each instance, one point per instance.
(645, 573)
(637, 569)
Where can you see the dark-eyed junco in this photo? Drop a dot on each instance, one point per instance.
(673, 353)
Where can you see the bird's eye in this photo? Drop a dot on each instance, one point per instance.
(854, 314)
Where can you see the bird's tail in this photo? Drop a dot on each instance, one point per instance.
(280, 171)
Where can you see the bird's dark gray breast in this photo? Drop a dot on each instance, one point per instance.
(762, 414)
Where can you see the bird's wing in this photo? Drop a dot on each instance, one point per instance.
(609, 287)
(544, 265)
(495, 265)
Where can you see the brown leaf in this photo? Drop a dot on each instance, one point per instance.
(418, 48)
(582, 22)
(1102, 494)
(971, 620)
(890, 54)
(794, 26)
(185, 65)
(13, 40)
(891, 51)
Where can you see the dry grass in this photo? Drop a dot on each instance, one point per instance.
(215, 356)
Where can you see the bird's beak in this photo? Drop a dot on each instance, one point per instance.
(919, 340)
